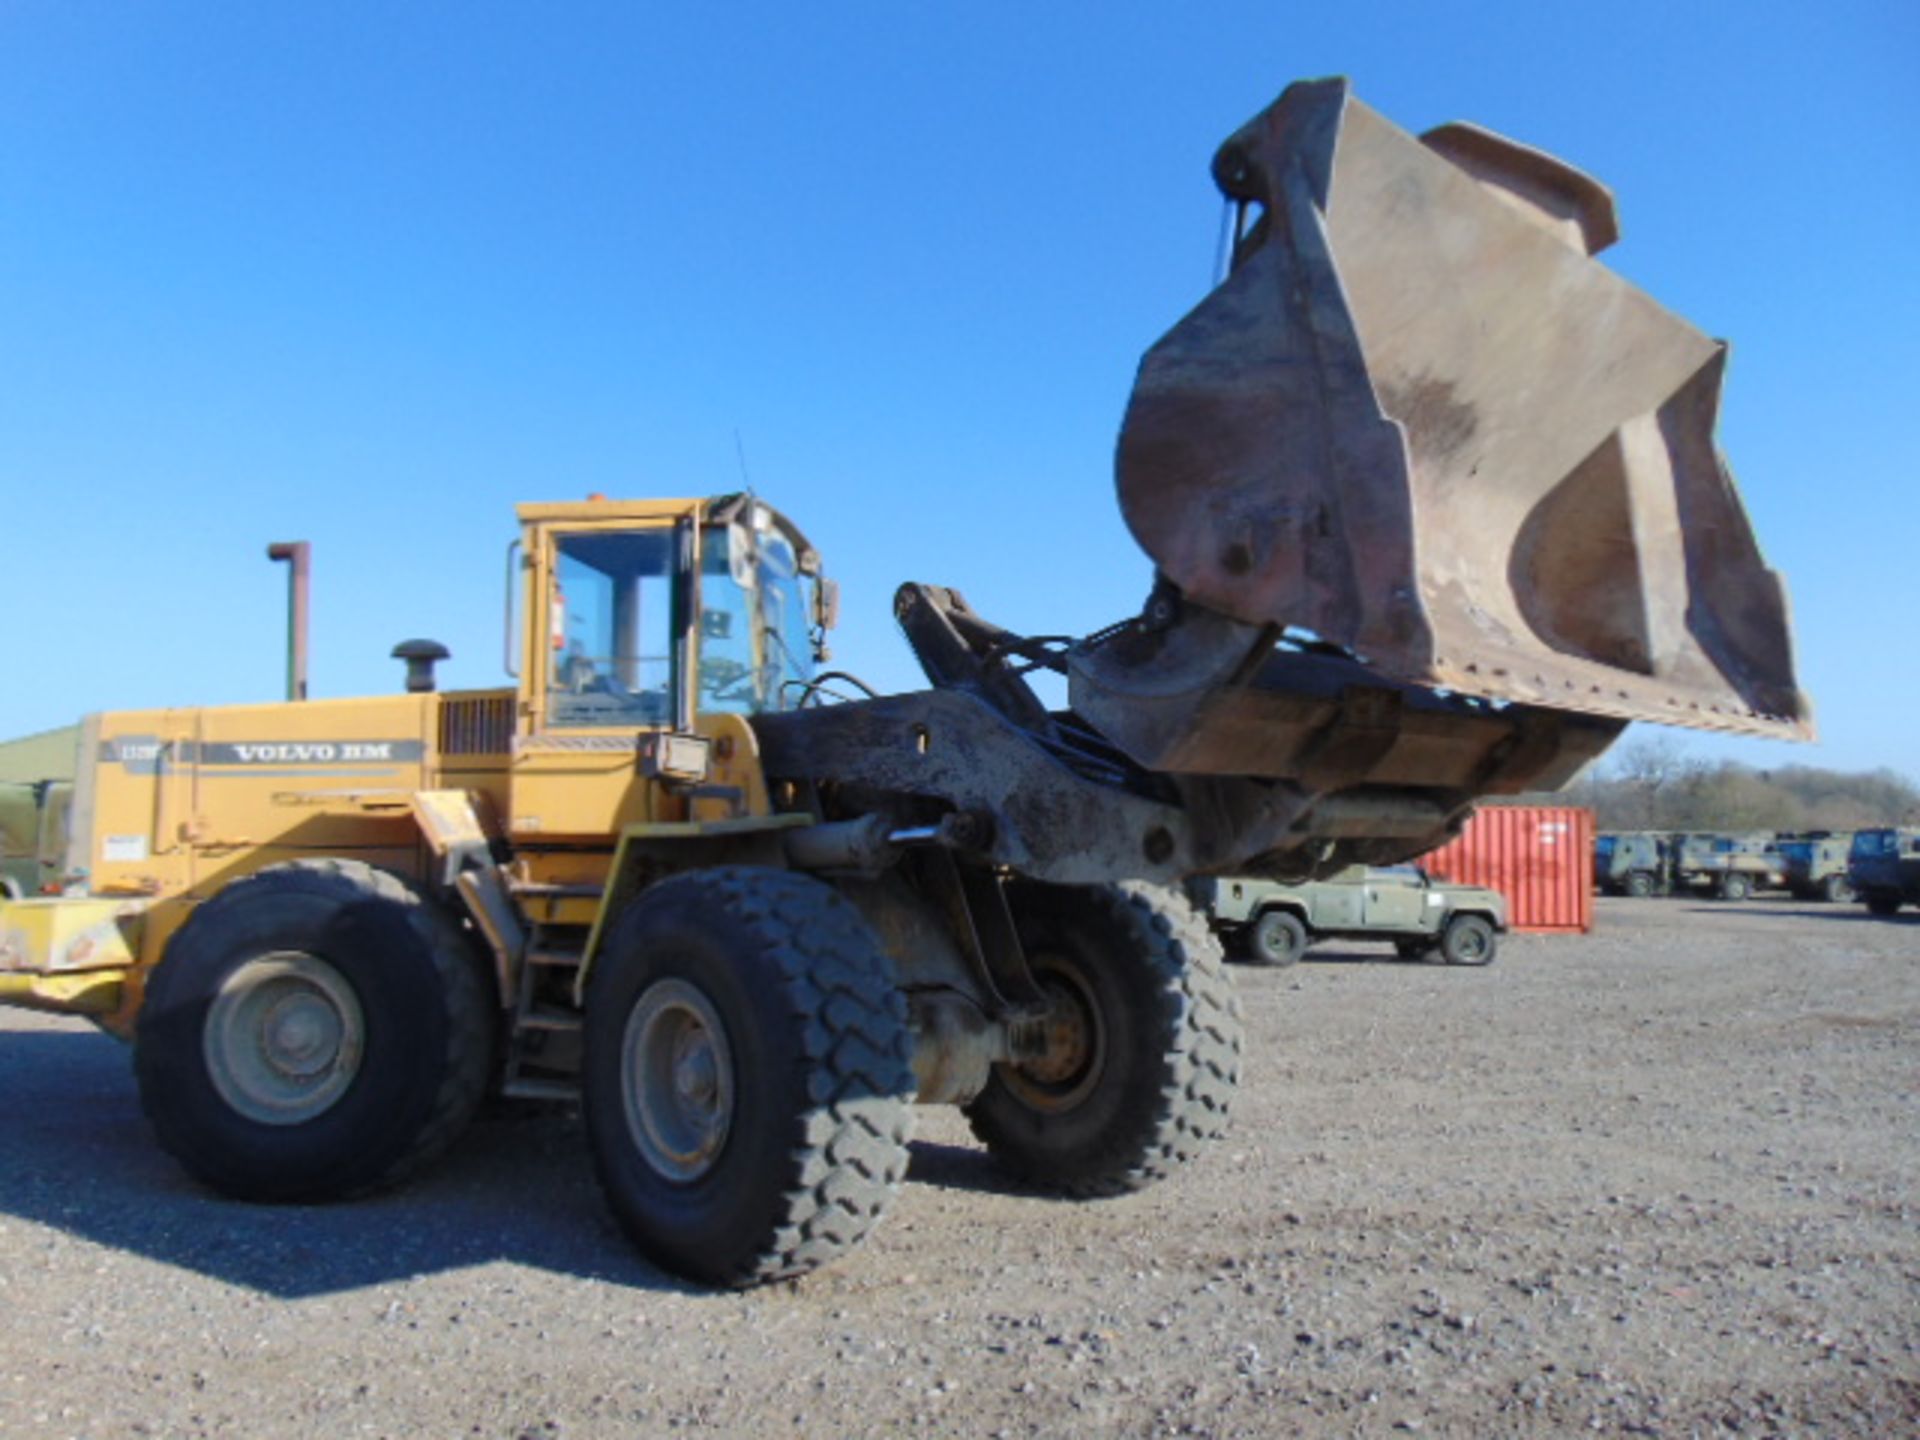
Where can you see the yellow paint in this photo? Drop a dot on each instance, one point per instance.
(92, 993)
(449, 818)
(173, 805)
(734, 764)
(185, 801)
(68, 934)
(629, 870)
(607, 514)
(563, 789)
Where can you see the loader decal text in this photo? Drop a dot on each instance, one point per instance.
(141, 755)
(308, 752)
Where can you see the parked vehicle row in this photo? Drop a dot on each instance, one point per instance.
(1648, 862)
(1879, 866)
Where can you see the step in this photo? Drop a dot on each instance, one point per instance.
(548, 1017)
(563, 959)
(539, 890)
(529, 1089)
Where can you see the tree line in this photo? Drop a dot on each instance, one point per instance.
(1653, 784)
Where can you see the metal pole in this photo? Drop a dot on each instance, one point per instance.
(295, 552)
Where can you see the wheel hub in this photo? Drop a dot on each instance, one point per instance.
(1067, 1037)
(1069, 1068)
(695, 1076)
(284, 1038)
(677, 1080)
(302, 1035)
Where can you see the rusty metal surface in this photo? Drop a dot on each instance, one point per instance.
(1204, 695)
(1073, 813)
(948, 749)
(1419, 421)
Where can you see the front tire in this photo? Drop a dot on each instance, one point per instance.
(1837, 890)
(315, 1030)
(1640, 885)
(1146, 1043)
(1883, 902)
(1277, 937)
(748, 1078)
(1735, 887)
(1468, 940)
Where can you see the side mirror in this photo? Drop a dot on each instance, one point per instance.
(826, 604)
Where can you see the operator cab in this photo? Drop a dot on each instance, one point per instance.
(644, 614)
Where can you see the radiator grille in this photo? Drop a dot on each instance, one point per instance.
(481, 725)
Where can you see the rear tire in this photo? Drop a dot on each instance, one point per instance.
(315, 1030)
(1837, 890)
(1148, 1055)
(1735, 887)
(1277, 937)
(1883, 902)
(748, 1078)
(1468, 940)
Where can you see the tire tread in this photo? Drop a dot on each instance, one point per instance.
(470, 1027)
(1199, 1069)
(851, 1019)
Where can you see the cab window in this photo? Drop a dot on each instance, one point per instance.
(1873, 842)
(756, 644)
(612, 629)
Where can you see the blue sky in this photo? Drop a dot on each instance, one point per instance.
(368, 274)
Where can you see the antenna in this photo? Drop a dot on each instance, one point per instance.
(740, 452)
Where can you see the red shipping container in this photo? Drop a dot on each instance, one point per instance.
(1540, 857)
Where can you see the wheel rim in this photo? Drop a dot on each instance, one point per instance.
(1076, 1040)
(1277, 940)
(676, 1076)
(1470, 943)
(284, 1038)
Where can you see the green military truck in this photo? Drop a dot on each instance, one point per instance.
(33, 836)
(1270, 923)
(1732, 867)
(1650, 862)
(1815, 864)
(1883, 867)
(1633, 862)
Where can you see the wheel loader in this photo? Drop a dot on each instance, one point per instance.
(1434, 509)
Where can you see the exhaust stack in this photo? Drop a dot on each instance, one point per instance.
(296, 554)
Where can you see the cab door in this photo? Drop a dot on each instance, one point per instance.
(604, 661)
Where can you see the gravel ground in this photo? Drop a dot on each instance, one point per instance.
(1660, 1181)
